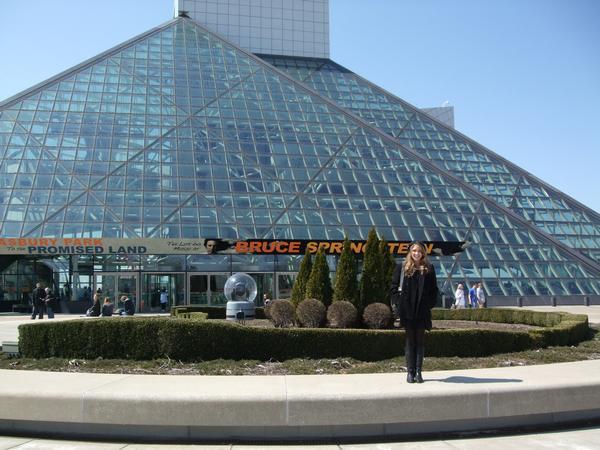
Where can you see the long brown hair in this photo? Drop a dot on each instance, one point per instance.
(409, 264)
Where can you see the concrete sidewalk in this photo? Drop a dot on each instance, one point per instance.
(321, 407)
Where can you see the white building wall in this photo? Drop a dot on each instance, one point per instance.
(276, 27)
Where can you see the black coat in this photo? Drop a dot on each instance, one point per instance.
(39, 296)
(129, 307)
(419, 295)
(51, 301)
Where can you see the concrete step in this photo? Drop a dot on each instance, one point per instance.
(324, 407)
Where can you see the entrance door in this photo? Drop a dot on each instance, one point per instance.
(207, 289)
(166, 285)
(114, 285)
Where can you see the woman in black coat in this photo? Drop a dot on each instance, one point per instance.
(414, 300)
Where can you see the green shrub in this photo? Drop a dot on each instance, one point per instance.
(193, 340)
(299, 287)
(282, 313)
(319, 283)
(311, 313)
(388, 264)
(341, 314)
(377, 316)
(346, 286)
(372, 278)
(110, 337)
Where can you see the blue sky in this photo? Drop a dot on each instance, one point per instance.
(523, 75)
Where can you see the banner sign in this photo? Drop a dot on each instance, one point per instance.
(142, 246)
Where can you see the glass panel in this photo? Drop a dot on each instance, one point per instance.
(198, 289)
(285, 283)
(217, 286)
(127, 285)
(106, 284)
(161, 291)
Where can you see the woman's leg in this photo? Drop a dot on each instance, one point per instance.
(419, 353)
(409, 353)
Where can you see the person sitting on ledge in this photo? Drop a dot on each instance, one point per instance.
(107, 307)
(94, 310)
(128, 306)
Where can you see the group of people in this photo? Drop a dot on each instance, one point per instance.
(107, 308)
(474, 299)
(43, 299)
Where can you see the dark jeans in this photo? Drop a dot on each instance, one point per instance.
(414, 348)
(38, 310)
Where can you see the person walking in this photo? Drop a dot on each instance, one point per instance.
(50, 302)
(459, 297)
(473, 296)
(39, 296)
(414, 285)
(164, 299)
(480, 295)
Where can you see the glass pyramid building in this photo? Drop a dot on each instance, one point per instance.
(179, 135)
(510, 186)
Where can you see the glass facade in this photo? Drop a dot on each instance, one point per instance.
(505, 183)
(179, 134)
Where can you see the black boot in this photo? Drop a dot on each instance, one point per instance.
(420, 354)
(409, 352)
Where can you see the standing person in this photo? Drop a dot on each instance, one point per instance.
(164, 299)
(50, 302)
(459, 297)
(480, 295)
(417, 293)
(39, 296)
(473, 296)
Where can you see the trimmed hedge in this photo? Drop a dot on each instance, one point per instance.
(558, 328)
(213, 312)
(194, 340)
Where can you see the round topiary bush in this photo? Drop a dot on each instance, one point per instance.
(281, 313)
(377, 316)
(341, 314)
(311, 313)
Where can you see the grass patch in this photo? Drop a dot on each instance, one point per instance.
(586, 350)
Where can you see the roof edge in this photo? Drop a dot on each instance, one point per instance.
(88, 62)
(485, 149)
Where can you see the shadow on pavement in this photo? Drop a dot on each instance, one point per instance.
(473, 380)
